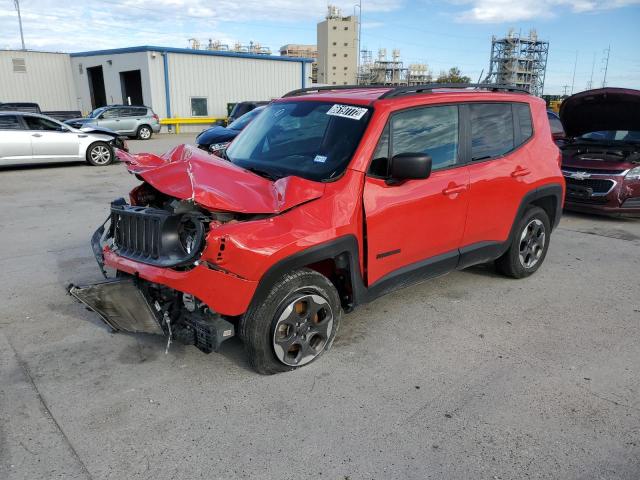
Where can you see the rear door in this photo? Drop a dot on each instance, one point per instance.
(51, 141)
(130, 118)
(15, 141)
(499, 169)
(418, 224)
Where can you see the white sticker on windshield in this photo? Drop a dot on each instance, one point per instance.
(320, 159)
(347, 111)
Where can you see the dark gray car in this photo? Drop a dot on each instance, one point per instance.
(132, 121)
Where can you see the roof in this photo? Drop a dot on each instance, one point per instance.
(189, 51)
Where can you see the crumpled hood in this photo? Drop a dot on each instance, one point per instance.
(189, 173)
(601, 109)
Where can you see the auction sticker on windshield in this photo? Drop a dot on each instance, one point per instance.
(347, 111)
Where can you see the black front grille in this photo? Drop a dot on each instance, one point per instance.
(154, 236)
(137, 231)
(598, 185)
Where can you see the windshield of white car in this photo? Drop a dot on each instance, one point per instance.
(309, 139)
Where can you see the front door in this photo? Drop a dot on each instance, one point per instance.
(416, 225)
(51, 141)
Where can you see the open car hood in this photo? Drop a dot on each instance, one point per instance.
(189, 173)
(601, 109)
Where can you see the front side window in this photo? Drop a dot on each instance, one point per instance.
(431, 130)
(110, 113)
(313, 140)
(39, 123)
(491, 130)
(199, 107)
(10, 122)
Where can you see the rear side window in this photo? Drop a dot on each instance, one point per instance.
(10, 122)
(139, 112)
(523, 114)
(491, 130)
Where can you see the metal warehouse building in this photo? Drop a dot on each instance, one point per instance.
(177, 82)
(41, 77)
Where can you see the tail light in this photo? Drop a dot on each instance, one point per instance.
(155, 117)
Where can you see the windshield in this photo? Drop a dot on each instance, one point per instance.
(312, 140)
(613, 135)
(244, 120)
(96, 112)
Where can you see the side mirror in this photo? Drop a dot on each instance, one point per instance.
(408, 166)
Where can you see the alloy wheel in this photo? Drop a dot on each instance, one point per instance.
(532, 243)
(100, 155)
(302, 330)
(145, 133)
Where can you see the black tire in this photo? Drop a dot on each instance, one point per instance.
(100, 154)
(144, 132)
(302, 309)
(525, 254)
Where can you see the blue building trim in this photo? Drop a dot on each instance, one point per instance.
(167, 94)
(189, 51)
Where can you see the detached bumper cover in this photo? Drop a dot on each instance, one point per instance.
(120, 304)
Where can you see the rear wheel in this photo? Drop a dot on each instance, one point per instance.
(529, 245)
(294, 325)
(99, 154)
(144, 132)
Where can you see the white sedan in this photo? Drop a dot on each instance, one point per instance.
(29, 138)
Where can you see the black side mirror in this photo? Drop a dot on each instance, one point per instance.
(408, 166)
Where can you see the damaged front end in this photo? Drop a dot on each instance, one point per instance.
(133, 305)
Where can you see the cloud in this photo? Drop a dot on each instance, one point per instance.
(499, 11)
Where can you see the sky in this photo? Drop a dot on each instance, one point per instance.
(441, 34)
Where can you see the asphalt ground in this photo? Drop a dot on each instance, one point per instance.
(470, 375)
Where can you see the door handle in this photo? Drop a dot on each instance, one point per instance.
(36, 135)
(520, 172)
(454, 189)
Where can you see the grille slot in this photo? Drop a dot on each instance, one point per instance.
(594, 171)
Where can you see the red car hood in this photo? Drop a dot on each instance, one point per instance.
(601, 109)
(189, 173)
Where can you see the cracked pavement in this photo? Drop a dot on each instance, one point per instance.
(470, 375)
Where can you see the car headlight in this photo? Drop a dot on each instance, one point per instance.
(633, 174)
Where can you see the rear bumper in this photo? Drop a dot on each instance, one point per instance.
(155, 127)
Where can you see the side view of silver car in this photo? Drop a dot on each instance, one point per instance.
(29, 138)
(133, 121)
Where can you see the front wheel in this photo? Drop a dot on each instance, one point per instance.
(294, 325)
(529, 245)
(144, 132)
(99, 154)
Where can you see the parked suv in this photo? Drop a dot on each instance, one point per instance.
(601, 154)
(133, 121)
(330, 198)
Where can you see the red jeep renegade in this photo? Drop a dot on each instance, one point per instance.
(330, 198)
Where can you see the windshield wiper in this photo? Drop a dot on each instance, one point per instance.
(262, 173)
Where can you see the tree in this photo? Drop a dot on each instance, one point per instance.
(453, 76)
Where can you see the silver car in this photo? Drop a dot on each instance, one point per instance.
(133, 121)
(28, 138)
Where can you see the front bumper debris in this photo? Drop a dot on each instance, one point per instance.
(120, 304)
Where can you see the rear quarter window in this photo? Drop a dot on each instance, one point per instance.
(10, 122)
(492, 132)
(522, 113)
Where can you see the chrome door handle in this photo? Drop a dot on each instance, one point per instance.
(454, 189)
(36, 135)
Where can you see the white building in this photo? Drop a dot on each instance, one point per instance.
(174, 82)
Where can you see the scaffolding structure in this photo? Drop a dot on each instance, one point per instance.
(519, 61)
(383, 71)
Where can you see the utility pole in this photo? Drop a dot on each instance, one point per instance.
(565, 88)
(17, 4)
(606, 66)
(359, 5)
(573, 79)
(593, 66)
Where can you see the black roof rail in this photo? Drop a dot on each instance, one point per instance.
(300, 91)
(429, 87)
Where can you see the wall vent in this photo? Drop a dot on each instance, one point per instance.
(19, 65)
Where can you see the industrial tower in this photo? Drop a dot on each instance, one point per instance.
(519, 61)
